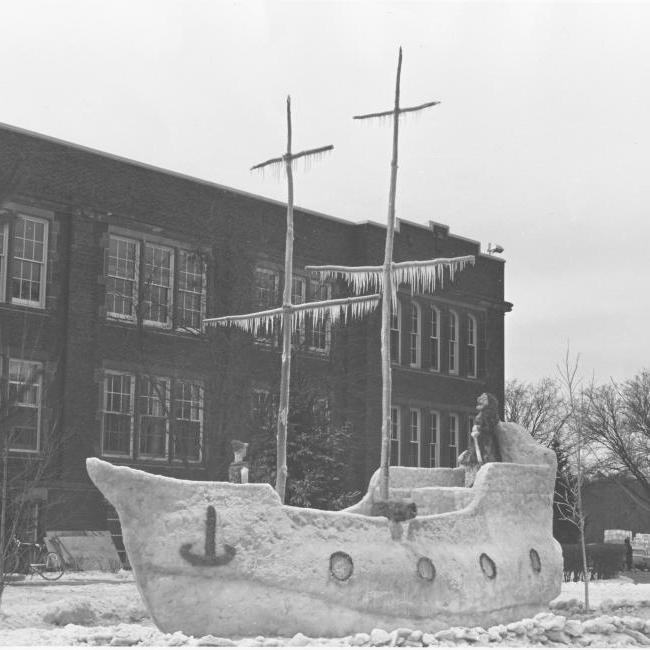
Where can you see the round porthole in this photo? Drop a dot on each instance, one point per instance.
(341, 565)
(488, 566)
(426, 570)
(535, 562)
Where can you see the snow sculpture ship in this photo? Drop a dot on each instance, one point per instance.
(231, 559)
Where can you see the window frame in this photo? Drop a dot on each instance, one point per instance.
(139, 415)
(266, 337)
(452, 339)
(113, 315)
(472, 346)
(396, 318)
(453, 417)
(201, 409)
(131, 414)
(434, 438)
(418, 436)
(4, 280)
(141, 290)
(325, 329)
(179, 307)
(41, 302)
(415, 335)
(298, 335)
(39, 406)
(175, 304)
(395, 434)
(434, 338)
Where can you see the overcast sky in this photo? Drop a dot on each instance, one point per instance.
(541, 142)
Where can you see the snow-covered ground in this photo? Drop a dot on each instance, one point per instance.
(94, 608)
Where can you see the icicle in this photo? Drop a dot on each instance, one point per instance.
(422, 275)
(340, 309)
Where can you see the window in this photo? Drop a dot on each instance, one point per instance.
(415, 350)
(165, 411)
(395, 436)
(319, 331)
(434, 340)
(153, 409)
(434, 439)
(191, 297)
(453, 439)
(264, 408)
(188, 427)
(453, 342)
(395, 338)
(141, 270)
(157, 281)
(28, 268)
(298, 297)
(117, 418)
(267, 282)
(121, 278)
(24, 405)
(471, 346)
(414, 438)
(470, 426)
(266, 288)
(4, 229)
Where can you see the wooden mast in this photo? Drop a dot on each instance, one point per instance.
(389, 291)
(287, 311)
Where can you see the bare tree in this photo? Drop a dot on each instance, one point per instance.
(617, 427)
(570, 496)
(23, 473)
(538, 407)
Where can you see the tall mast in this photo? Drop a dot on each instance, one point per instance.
(289, 314)
(388, 289)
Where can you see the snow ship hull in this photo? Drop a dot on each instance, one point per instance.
(228, 559)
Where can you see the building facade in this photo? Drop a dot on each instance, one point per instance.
(107, 269)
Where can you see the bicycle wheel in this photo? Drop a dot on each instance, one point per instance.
(12, 563)
(51, 566)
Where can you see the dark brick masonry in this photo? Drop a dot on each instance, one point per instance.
(86, 195)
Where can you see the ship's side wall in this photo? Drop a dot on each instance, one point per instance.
(489, 562)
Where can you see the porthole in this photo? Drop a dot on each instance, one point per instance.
(535, 562)
(426, 569)
(488, 566)
(341, 565)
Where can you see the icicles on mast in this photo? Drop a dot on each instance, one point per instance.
(340, 310)
(423, 276)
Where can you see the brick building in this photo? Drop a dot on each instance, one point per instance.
(107, 268)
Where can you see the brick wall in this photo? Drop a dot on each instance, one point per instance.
(93, 193)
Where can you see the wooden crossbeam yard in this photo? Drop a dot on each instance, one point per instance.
(396, 111)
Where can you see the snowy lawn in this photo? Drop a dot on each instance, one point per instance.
(93, 608)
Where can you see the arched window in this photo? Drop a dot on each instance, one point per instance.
(395, 333)
(415, 347)
(434, 340)
(452, 338)
(471, 346)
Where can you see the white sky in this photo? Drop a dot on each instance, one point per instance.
(541, 143)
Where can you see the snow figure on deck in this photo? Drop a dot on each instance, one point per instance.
(483, 446)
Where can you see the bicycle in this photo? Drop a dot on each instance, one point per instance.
(49, 564)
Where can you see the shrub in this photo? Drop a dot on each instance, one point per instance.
(603, 560)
